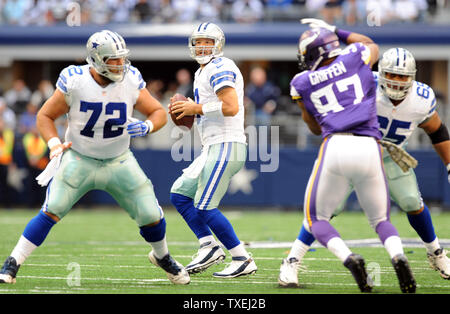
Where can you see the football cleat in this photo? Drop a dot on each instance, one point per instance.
(404, 274)
(355, 263)
(9, 271)
(440, 262)
(176, 273)
(239, 266)
(289, 273)
(208, 254)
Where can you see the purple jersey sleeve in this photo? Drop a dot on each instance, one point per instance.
(341, 95)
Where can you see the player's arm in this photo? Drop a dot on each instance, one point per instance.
(150, 107)
(438, 133)
(348, 37)
(351, 38)
(230, 102)
(228, 105)
(309, 119)
(51, 110)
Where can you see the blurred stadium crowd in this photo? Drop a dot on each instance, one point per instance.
(101, 12)
(267, 103)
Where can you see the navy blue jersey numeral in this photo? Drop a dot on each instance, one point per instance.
(391, 133)
(96, 108)
(108, 131)
(110, 108)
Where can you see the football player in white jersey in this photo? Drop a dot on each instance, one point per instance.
(219, 111)
(403, 105)
(99, 99)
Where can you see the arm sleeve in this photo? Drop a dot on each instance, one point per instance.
(431, 105)
(64, 82)
(222, 74)
(136, 81)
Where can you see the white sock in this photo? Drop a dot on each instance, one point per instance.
(239, 250)
(160, 248)
(23, 249)
(209, 238)
(393, 246)
(337, 246)
(432, 246)
(298, 250)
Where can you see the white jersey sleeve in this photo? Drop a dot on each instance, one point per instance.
(222, 73)
(136, 82)
(425, 95)
(68, 79)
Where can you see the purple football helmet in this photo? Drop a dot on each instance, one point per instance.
(316, 45)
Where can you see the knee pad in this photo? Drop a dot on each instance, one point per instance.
(146, 210)
(409, 204)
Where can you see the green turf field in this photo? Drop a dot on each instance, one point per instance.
(106, 248)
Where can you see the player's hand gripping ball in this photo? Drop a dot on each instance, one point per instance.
(186, 121)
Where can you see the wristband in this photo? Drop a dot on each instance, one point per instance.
(53, 142)
(342, 35)
(212, 109)
(150, 125)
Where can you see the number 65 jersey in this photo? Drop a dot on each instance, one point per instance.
(397, 123)
(341, 95)
(98, 115)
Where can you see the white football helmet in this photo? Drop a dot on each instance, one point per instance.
(207, 30)
(105, 45)
(397, 61)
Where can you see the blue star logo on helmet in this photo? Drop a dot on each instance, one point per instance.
(94, 45)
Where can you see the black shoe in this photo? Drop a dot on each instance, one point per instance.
(404, 274)
(174, 270)
(355, 263)
(9, 270)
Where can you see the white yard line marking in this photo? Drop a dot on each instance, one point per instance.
(149, 282)
(374, 242)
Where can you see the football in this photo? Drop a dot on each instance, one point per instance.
(186, 121)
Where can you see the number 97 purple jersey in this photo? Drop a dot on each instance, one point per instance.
(342, 95)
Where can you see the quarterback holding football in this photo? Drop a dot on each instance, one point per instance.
(219, 110)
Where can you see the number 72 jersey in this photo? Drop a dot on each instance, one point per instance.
(98, 115)
(397, 123)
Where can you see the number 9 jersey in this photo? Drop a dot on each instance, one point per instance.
(98, 115)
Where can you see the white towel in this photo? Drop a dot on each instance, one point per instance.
(49, 172)
(194, 170)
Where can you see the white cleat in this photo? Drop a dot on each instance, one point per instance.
(176, 273)
(208, 255)
(289, 273)
(440, 262)
(7, 279)
(239, 266)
